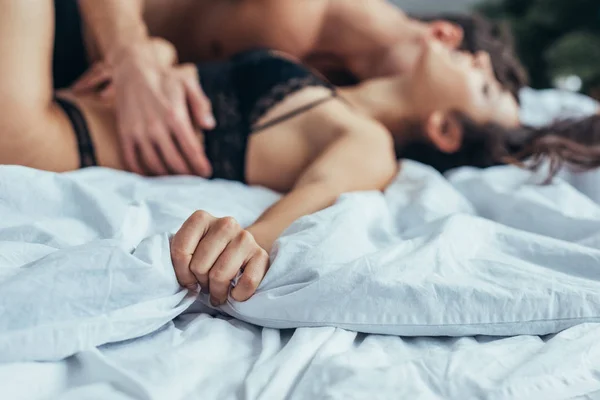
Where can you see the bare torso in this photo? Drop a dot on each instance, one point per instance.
(216, 29)
(335, 36)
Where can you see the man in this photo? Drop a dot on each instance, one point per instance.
(348, 41)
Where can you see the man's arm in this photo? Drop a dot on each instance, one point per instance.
(115, 24)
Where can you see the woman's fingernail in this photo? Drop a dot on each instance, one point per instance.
(214, 302)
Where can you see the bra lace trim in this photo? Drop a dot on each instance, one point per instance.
(279, 92)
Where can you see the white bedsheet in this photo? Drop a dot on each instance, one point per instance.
(103, 259)
(543, 107)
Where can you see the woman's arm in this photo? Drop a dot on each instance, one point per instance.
(213, 251)
(351, 163)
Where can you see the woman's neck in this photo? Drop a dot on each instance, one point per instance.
(384, 100)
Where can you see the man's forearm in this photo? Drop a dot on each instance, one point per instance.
(115, 24)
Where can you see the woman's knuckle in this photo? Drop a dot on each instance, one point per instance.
(246, 237)
(200, 216)
(250, 281)
(179, 257)
(198, 271)
(262, 254)
(228, 224)
(217, 275)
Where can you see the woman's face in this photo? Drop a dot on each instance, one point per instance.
(449, 80)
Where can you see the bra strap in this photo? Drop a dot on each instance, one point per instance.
(295, 112)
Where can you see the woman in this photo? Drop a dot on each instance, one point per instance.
(281, 126)
(314, 142)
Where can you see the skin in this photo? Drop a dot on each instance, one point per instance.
(352, 149)
(360, 36)
(312, 169)
(161, 110)
(156, 133)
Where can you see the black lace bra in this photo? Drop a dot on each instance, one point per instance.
(242, 90)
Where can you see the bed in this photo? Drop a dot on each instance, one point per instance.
(480, 284)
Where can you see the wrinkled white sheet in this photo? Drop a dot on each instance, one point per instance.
(543, 107)
(417, 261)
(78, 274)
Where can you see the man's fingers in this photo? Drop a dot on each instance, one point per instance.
(211, 246)
(130, 156)
(194, 153)
(254, 272)
(172, 156)
(97, 75)
(199, 104)
(131, 132)
(184, 243)
(150, 158)
(228, 264)
(189, 144)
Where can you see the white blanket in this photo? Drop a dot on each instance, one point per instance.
(417, 261)
(84, 262)
(92, 266)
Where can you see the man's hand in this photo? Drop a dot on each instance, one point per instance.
(159, 107)
(98, 79)
(212, 251)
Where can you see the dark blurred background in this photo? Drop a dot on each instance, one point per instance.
(558, 41)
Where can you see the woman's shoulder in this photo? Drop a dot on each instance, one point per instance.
(373, 138)
(347, 120)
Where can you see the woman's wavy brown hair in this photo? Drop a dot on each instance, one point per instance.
(573, 143)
